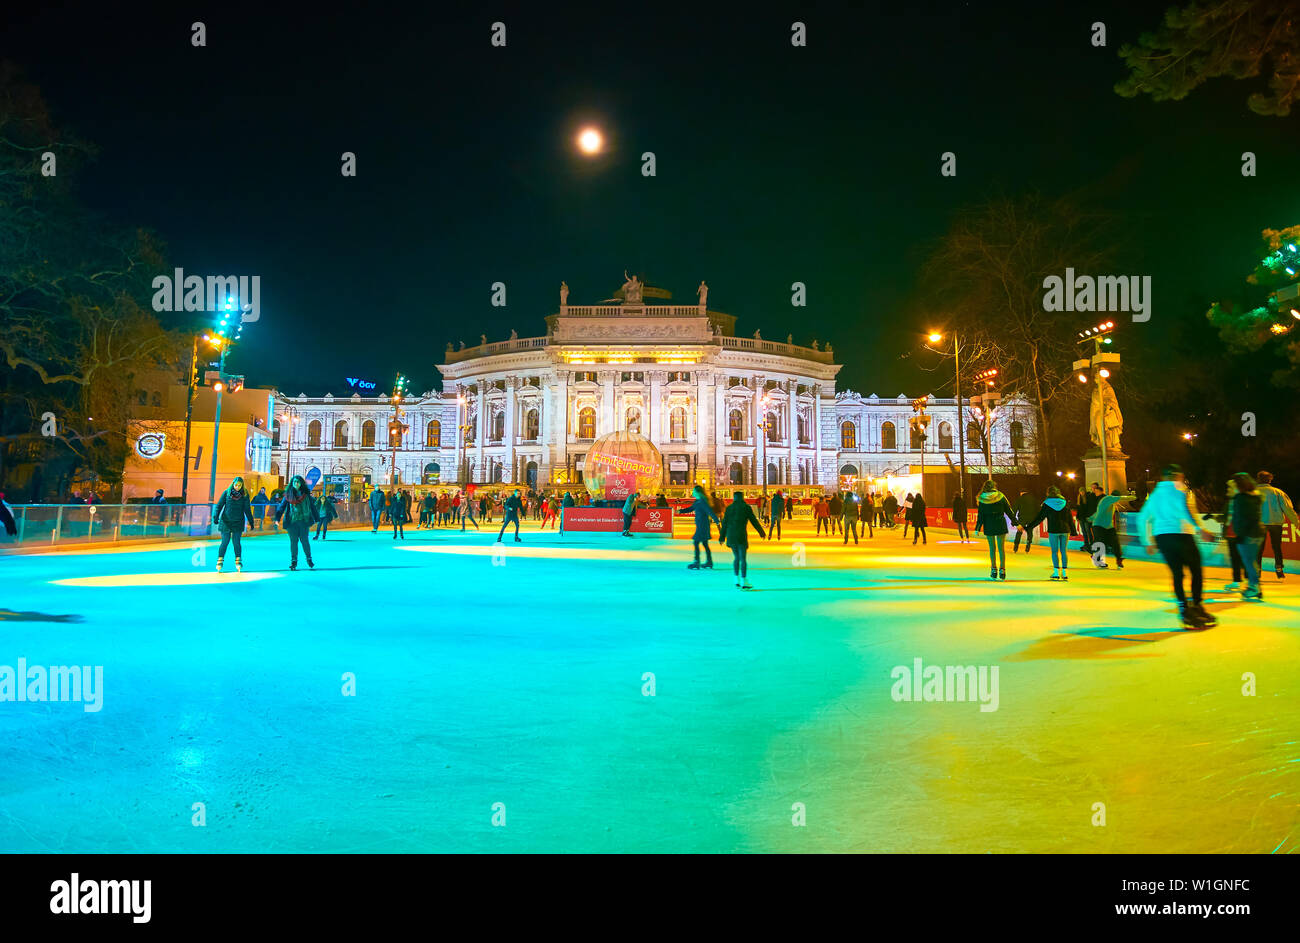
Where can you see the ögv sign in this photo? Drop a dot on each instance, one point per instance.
(360, 385)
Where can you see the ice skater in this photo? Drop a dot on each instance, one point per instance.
(778, 511)
(849, 516)
(1167, 521)
(1060, 528)
(510, 515)
(629, 509)
(735, 534)
(992, 516)
(299, 513)
(704, 518)
(959, 516)
(398, 514)
(918, 519)
(1245, 513)
(467, 514)
(1025, 508)
(1275, 510)
(325, 512)
(377, 504)
(233, 508)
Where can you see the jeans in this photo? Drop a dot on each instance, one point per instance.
(627, 522)
(1180, 551)
(962, 531)
(1086, 530)
(823, 521)
(298, 535)
(1029, 541)
(230, 537)
(708, 554)
(374, 518)
(850, 527)
(739, 564)
(1059, 543)
(1250, 556)
(997, 550)
(512, 516)
(322, 527)
(1274, 534)
(1234, 555)
(774, 526)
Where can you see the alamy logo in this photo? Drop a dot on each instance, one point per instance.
(82, 683)
(1103, 293)
(102, 897)
(946, 683)
(181, 292)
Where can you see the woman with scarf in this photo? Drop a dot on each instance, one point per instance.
(233, 508)
(299, 512)
(1060, 527)
(991, 518)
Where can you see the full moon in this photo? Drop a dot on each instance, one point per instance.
(590, 141)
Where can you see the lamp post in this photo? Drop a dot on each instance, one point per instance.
(396, 428)
(961, 424)
(984, 405)
(291, 414)
(919, 422)
(226, 334)
(189, 416)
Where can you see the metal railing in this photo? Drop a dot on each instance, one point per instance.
(45, 525)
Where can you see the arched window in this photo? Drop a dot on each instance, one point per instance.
(498, 427)
(496, 473)
(888, 436)
(275, 469)
(945, 436)
(736, 474)
(974, 437)
(433, 434)
(530, 474)
(848, 436)
(141, 398)
(773, 426)
(773, 477)
(432, 473)
(587, 423)
(532, 425)
(736, 425)
(368, 434)
(313, 434)
(341, 434)
(1017, 436)
(155, 399)
(677, 424)
(849, 470)
(633, 419)
(805, 428)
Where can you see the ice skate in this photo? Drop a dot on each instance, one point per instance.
(218, 564)
(693, 566)
(1232, 587)
(1204, 617)
(1002, 573)
(239, 567)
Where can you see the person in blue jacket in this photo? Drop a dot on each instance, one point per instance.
(703, 531)
(377, 504)
(735, 534)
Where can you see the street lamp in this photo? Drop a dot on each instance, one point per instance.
(222, 338)
(396, 427)
(935, 337)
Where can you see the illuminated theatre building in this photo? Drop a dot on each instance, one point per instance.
(718, 408)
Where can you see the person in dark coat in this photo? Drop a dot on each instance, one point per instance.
(836, 507)
(704, 518)
(398, 515)
(299, 512)
(326, 512)
(565, 504)
(1025, 508)
(510, 513)
(1060, 527)
(260, 501)
(867, 513)
(377, 505)
(959, 516)
(629, 509)
(849, 515)
(735, 534)
(992, 515)
(233, 508)
(7, 518)
(1245, 514)
(890, 507)
(778, 510)
(918, 519)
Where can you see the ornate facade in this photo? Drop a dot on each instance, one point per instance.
(721, 409)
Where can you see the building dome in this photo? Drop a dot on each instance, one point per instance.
(621, 462)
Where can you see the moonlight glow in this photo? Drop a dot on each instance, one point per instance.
(590, 141)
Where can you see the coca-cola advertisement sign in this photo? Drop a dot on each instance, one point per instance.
(653, 521)
(619, 486)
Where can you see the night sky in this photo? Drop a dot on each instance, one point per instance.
(775, 164)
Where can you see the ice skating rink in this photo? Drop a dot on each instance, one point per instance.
(501, 702)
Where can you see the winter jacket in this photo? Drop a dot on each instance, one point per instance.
(735, 523)
(822, 508)
(1275, 507)
(301, 511)
(778, 505)
(835, 506)
(233, 508)
(7, 519)
(568, 500)
(397, 513)
(918, 512)
(629, 506)
(849, 510)
(1246, 509)
(1104, 516)
(260, 501)
(1057, 514)
(1090, 502)
(703, 515)
(513, 505)
(325, 511)
(959, 509)
(377, 500)
(1026, 507)
(1167, 510)
(889, 506)
(992, 512)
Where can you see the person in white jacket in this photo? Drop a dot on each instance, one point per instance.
(1168, 521)
(1275, 510)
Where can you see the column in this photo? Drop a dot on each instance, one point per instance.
(720, 423)
(512, 384)
(760, 435)
(481, 428)
(605, 421)
(656, 434)
(792, 431)
(703, 428)
(817, 434)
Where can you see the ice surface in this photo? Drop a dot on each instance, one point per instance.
(518, 680)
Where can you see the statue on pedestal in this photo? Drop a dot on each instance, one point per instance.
(703, 292)
(514, 335)
(482, 340)
(564, 294)
(631, 289)
(1104, 418)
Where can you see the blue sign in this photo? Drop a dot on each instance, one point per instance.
(356, 383)
(313, 476)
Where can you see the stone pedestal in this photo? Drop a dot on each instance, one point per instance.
(1117, 476)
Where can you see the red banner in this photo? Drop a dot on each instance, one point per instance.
(610, 520)
(619, 485)
(653, 521)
